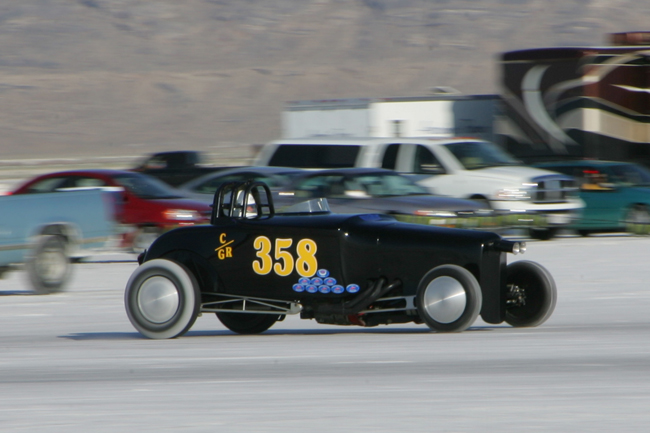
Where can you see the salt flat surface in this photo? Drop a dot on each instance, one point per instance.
(72, 362)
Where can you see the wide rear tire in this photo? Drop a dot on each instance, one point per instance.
(532, 294)
(162, 299)
(449, 298)
(248, 323)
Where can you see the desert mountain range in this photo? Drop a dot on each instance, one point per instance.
(127, 77)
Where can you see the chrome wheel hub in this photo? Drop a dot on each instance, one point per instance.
(158, 299)
(445, 299)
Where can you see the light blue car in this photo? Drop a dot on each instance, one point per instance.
(46, 231)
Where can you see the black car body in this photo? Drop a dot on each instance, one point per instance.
(177, 167)
(252, 267)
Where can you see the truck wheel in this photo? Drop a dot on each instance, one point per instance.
(532, 294)
(542, 234)
(637, 220)
(247, 323)
(162, 299)
(449, 298)
(144, 237)
(49, 267)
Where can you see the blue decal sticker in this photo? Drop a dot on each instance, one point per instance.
(352, 288)
(323, 283)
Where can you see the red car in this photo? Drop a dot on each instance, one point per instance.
(148, 207)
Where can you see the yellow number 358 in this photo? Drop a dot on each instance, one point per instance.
(284, 263)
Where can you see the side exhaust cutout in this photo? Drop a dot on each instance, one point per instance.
(363, 300)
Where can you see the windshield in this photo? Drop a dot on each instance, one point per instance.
(361, 186)
(145, 187)
(630, 175)
(315, 205)
(480, 154)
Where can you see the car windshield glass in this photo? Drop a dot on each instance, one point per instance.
(145, 187)
(630, 175)
(480, 154)
(312, 206)
(385, 185)
(363, 186)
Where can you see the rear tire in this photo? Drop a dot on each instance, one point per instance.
(532, 294)
(162, 299)
(247, 323)
(49, 267)
(449, 299)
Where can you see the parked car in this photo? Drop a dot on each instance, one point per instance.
(252, 269)
(204, 187)
(176, 167)
(359, 190)
(148, 206)
(616, 194)
(454, 167)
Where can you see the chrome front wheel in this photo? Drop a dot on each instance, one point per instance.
(449, 298)
(162, 299)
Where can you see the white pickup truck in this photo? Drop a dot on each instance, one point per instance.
(459, 167)
(45, 232)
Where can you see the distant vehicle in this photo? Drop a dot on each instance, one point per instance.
(359, 190)
(47, 231)
(253, 269)
(445, 114)
(176, 167)
(578, 101)
(204, 187)
(149, 207)
(454, 167)
(616, 194)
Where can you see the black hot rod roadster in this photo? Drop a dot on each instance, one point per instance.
(252, 266)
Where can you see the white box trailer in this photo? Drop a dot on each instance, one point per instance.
(437, 116)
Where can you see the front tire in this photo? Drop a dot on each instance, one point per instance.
(247, 323)
(49, 267)
(449, 299)
(162, 299)
(532, 294)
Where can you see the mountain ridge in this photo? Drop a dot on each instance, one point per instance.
(123, 77)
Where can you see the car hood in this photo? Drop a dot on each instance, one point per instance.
(515, 173)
